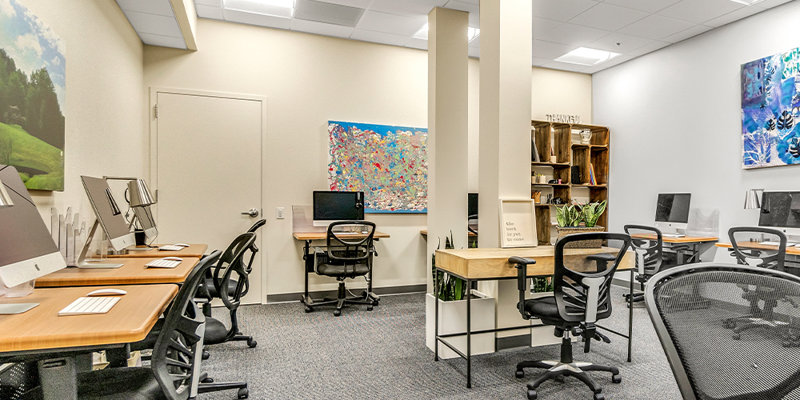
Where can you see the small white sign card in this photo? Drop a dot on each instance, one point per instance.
(517, 223)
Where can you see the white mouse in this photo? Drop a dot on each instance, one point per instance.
(172, 258)
(182, 244)
(107, 292)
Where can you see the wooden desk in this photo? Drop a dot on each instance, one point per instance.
(794, 251)
(691, 245)
(132, 272)
(323, 235)
(479, 264)
(194, 250)
(424, 233)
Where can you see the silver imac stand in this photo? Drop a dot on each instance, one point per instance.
(82, 262)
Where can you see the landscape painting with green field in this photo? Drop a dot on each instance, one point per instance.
(32, 93)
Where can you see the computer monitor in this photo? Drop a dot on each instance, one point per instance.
(146, 221)
(108, 213)
(337, 206)
(672, 211)
(781, 210)
(472, 205)
(27, 250)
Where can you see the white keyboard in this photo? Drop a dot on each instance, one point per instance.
(171, 247)
(163, 263)
(90, 305)
(673, 235)
(769, 243)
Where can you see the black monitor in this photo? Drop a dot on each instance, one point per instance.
(337, 206)
(27, 250)
(108, 213)
(144, 215)
(673, 207)
(472, 205)
(781, 210)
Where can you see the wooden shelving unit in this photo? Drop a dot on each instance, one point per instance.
(562, 141)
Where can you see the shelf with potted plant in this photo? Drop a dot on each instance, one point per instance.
(579, 218)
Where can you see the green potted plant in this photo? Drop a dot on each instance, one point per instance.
(576, 218)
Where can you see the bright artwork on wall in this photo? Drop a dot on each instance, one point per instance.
(388, 163)
(771, 111)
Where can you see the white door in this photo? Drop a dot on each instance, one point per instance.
(206, 167)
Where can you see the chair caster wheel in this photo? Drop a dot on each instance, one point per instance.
(736, 336)
(616, 379)
(308, 309)
(369, 308)
(559, 379)
(599, 396)
(206, 355)
(532, 394)
(207, 380)
(252, 343)
(519, 374)
(337, 313)
(243, 393)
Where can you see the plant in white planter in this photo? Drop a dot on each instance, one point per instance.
(576, 218)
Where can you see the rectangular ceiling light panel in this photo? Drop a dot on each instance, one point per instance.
(587, 56)
(275, 8)
(312, 10)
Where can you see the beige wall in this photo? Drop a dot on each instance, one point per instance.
(105, 121)
(309, 80)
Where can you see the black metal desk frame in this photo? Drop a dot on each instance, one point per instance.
(308, 260)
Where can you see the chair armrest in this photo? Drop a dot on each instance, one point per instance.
(521, 264)
(602, 260)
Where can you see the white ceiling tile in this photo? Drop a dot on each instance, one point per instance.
(649, 6)
(312, 10)
(741, 13)
(559, 32)
(351, 3)
(656, 27)
(560, 10)
(549, 50)
(415, 43)
(213, 3)
(256, 19)
(406, 7)
(700, 11)
(771, 3)
(158, 7)
(321, 28)
(154, 24)
(209, 12)
(619, 43)
(649, 48)
(163, 41)
(539, 62)
(389, 23)
(608, 17)
(683, 35)
(379, 37)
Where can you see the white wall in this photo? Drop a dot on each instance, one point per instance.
(675, 121)
(105, 120)
(308, 80)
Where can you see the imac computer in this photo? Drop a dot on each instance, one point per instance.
(144, 215)
(109, 217)
(472, 212)
(672, 213)
(337, 206)
(781, 211)
(27, 250)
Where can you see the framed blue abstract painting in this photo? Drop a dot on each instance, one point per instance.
(771, 111)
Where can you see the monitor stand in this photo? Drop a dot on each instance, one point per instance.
(83, 262)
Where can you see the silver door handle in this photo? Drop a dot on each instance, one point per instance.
(253, 212)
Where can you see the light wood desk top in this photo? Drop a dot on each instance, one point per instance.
(41, 328)
(795, 251)
(194, 250)
(324, 235)
(685, 239)
(132, 272)
(424, 232)
(493, 263)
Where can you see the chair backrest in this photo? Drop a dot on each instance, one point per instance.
(648, 244)
(176, 354)
(232, 261)
(582, 278)
(687, 305)
(350, 242)
(762, 247)
(253, 248)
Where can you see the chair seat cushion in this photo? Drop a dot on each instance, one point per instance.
(543, 308)
(343, 270)
(216, 332)
(212, 291)
(119, 383)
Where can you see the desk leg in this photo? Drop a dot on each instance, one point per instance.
(58, 377)
(435, 318)
(630, 320)
(306, 250)
(469, 334)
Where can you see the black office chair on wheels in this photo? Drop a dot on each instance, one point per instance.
(648, 244)
(764, 248)
(348, 255)
(712, 367)
(582, 285)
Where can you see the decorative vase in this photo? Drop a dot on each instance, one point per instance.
(553, 159)
(542, 179)
(586, 136)
(537, 197)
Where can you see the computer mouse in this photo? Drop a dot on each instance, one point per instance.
(107, 292)
(172, 258)
(182, 244)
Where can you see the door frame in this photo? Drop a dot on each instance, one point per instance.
(152, 165)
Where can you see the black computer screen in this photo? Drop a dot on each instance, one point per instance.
(338, 206)
(673, 207)
(105, 207)
(472, 204)
(780, 209)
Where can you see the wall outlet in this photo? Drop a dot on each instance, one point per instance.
(280, 212)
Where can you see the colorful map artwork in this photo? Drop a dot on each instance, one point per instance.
(388, 163)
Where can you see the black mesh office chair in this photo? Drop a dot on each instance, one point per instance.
(707, 363)
(174, 360)
(764, 248)
(348, 255)
(648, 245)
(581, 288)
(211, 289)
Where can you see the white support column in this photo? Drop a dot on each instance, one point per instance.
(505, 120)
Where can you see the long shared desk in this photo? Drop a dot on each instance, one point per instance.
(473, 265)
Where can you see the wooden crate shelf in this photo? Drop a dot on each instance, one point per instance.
(556, 139)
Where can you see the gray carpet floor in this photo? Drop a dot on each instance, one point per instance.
(381, 354)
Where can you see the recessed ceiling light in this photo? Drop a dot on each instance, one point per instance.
(273, 8)
(586, 56)
(472, 33)
(747, 2)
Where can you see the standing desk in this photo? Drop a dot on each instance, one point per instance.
(474, 265)
(132, 272)
(194, 250)
(40, 334)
